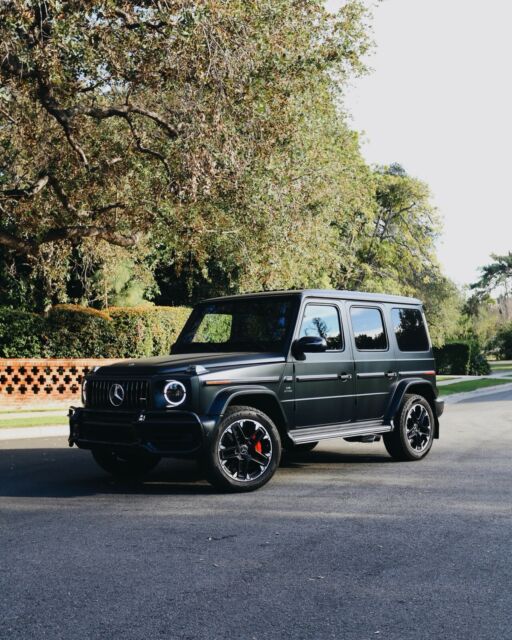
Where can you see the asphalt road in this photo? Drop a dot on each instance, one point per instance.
(343, 543)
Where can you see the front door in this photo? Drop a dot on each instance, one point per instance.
(324, 382)
(375, 366)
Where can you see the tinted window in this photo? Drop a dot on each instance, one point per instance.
(322, 320)
(410, 331)
(258, 324)
(368, 328)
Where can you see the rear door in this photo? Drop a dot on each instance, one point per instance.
(375, 361)
(324, 382)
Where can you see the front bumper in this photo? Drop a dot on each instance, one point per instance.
(166, 433)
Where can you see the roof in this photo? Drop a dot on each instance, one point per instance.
(325, 293)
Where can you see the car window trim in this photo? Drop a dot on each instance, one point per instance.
(324, 304)
(424, 320)
(381, 311)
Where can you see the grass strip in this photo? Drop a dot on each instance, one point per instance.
(471, 385)
(42, 421)
(18, 410)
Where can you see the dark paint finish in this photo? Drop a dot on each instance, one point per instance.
(346, 389)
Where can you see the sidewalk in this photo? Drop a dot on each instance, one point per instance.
(21, 433)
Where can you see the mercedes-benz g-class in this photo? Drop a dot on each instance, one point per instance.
(252, 374)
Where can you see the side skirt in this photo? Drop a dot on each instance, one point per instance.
(325, 432)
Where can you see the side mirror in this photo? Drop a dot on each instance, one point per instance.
(310, 344)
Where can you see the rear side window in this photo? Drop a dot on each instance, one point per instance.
(322, 320)
(368, 328)
(410, 331)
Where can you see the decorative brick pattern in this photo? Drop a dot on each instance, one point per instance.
(42, 382)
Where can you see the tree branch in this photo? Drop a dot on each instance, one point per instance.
(27, 192)
(143, 149)
(72, 234)
(123, 111)
(11, 242)
(77, 233)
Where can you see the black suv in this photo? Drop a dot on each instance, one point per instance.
(252, 374)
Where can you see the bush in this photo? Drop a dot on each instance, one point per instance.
(79, 332)
(22, 334)
(502, 343)
(462, 358)
(147, 330)
(478, 365)
(70, 331)
(453, 358)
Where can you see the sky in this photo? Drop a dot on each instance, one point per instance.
(439, 102)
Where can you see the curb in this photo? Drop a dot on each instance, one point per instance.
(478, 393)
(20, 433)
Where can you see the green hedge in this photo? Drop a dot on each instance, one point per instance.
(142, 331)
(70, 331)
(22, 334)
(461, 358)
(453, 358)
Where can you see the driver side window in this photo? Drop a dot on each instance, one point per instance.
(323, 320)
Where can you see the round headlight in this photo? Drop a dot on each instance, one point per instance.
(84, 391)
(175, 393)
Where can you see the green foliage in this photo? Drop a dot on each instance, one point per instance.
(496, 275)
(202, 139)
(502, 343)
(453, 358)
(175, 151)
(22, 334)
(70, 331)
(77, 332)
(215, 328)
(478, 364)
(462, 358)
(147, 330)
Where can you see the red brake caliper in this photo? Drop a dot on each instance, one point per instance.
(257, 446)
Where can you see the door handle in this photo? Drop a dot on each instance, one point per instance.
(391, 374)
(345, 376)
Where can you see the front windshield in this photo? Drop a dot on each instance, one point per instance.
(251, 324)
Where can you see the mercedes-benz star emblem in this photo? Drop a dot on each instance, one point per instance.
(116, 394)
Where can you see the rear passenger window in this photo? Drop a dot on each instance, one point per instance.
(410, 331)
(322, 320)
(368, 328)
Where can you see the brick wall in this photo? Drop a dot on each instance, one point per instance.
(39, 382)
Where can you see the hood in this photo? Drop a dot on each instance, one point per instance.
(180, 362)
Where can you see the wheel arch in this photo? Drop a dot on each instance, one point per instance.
(260, 398)
(419, 386)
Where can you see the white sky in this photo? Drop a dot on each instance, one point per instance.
(439, 102)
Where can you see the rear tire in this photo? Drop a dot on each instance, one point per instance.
(244, 452)
(413, 435)
(132, 464)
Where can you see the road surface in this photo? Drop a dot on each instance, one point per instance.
(343, 543)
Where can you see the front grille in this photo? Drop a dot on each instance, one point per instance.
(177, 432)
(136, 394)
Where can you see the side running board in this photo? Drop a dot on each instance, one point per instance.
(312, 434)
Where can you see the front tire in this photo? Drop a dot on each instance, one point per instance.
(127, 465)
(244, 452)
(413, 435)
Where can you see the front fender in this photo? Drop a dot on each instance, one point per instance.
(226, 395)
